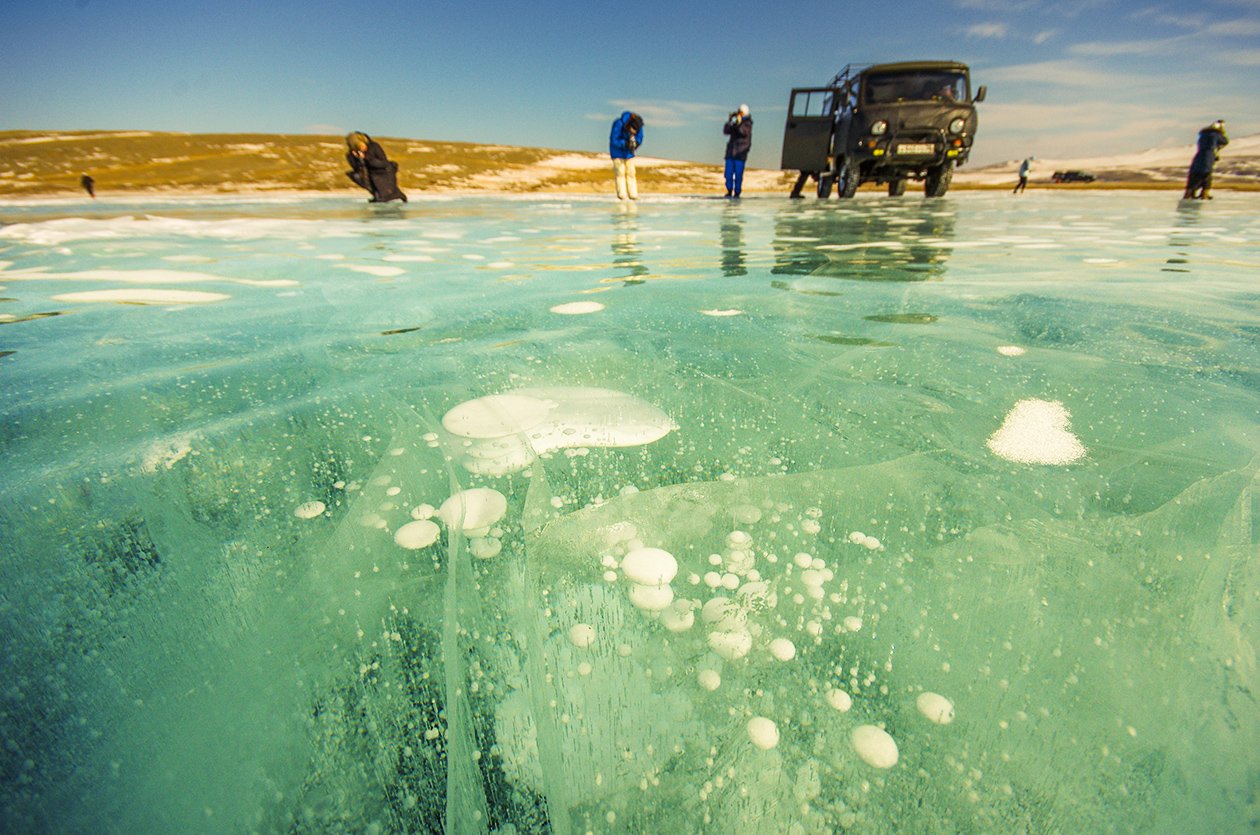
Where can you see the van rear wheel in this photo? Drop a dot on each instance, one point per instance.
(824, 186)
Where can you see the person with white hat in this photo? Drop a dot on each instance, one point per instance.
(738, 127)
(1199, 180)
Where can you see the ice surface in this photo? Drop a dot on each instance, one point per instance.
(384, 551)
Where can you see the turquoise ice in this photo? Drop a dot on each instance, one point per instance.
(956, 500)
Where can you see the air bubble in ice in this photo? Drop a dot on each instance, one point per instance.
(577, 308)
(650, 566)
(839, 699)
(419, 534)
(474, 509)
(730, 645)
(876, 748)
(935, 707)
(309, 510)
(581, 635)
(484, 547)
(763, 732)
(783, 649)
(651, 598)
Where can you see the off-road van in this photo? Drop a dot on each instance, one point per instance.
(882, 123)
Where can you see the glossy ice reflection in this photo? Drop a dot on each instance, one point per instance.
(558, 515)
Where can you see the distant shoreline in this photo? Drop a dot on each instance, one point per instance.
(48, 165)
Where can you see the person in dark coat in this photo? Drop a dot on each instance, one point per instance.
(371, 169)
(738, 128)
(89, 185)
(1199, 180)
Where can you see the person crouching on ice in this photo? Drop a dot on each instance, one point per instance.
(1199, 180)
(371, 169)
(626, 137)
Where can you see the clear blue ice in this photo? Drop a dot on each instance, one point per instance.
(814, 408)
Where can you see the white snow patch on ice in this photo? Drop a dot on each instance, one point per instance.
(1037, 432)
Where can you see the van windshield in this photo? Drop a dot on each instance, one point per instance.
(922, 85)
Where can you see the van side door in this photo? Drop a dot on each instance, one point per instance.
(807, 135)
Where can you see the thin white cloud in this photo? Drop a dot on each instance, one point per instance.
(1109, 48)
(987, 30)
(1056, 74)
(1006, 6)
(1239, 57)
(1235, 28)
(1158, 14)
(1043, 36)
(671, 114)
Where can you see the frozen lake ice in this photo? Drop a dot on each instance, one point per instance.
(556, 514)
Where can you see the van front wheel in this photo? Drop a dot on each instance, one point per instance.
(938, 180)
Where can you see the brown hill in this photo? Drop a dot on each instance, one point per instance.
(50, 163)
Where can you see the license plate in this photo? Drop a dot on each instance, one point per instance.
(916, 148)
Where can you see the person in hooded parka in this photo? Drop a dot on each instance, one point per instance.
(371, 169)
(1199, 180)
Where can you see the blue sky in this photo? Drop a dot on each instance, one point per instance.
(1066, 78)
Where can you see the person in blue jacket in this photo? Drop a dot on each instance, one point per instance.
(1199, 180)
(739, 128)
(626, 137)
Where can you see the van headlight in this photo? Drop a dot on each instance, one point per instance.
(879, 128)
(957, 125)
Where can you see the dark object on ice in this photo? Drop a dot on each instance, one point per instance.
(1072, 177)
(89, 185)
(1199, 180)
(883, 123)
(371, 169)
(1025, 169)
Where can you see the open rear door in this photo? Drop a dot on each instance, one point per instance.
(807, 137)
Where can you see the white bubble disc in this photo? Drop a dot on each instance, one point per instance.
(723, 614)
(839, 699)
(473, 510)
(581, 635)
(679, 616)
(730, 645)
(935, 707)
(650, 566)
(783, 649)
(852, 623)
(651, 598)
(763, 732)
(415, 535)
(876, 748)
(496, 415)
(577, 308)
(484, 547)
(709, 680)
(309, 510)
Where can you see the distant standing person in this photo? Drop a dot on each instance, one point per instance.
(1025, 168)
(89, 185)
(625, 139)
(738, 129)
(1199, 180)
(371, 169)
